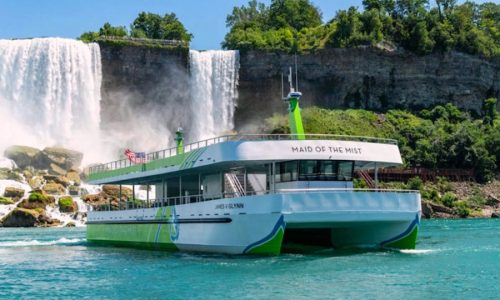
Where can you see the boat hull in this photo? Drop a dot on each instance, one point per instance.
(263, 224)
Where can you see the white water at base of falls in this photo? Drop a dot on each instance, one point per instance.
(214, 80)
(50, 94)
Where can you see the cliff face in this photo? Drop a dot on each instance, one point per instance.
(366, 78)
(141, 80)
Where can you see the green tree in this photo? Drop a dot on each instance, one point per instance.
(255, 15)
(108, 30)
(490, 111)
(154, 26)
(89, 36)
(297, 14)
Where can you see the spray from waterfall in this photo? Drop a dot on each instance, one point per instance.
(50, 94)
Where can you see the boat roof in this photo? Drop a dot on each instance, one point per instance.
(245, 150)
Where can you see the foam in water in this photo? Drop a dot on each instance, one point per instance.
(29, 243)
(50, 94)
(214, 79)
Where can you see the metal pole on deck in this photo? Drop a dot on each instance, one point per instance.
(120, 199)
(273, 173)
(376, 176)
(133, 195)
(147, 194)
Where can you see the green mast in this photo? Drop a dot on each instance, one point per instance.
(179, 140)
(295, 118)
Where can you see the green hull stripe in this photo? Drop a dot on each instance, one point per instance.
(271, 247)
(407, 242)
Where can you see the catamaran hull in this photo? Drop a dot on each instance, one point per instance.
(262, 224)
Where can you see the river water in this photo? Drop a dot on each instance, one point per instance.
(455, 259)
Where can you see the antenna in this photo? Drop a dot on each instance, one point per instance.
(296, 74)
(282, 87)
(290, 79)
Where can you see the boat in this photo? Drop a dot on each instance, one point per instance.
(258, 194)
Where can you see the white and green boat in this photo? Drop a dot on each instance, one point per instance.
(259, 194)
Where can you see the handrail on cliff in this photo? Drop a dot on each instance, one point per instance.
(165, 153)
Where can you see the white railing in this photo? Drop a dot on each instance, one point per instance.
(165, 153)
(181, 200)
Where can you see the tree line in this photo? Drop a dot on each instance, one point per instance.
(296, 26)
(146, 25)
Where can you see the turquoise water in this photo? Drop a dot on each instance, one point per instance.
(455, 259)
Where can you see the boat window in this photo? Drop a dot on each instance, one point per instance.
(308, 170)
(345, 170)
(286, 171)
(314, 170)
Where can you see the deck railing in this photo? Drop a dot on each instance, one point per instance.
(165, 153)
(181, 200)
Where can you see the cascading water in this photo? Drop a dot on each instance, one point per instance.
(50, 94)
(214, 80)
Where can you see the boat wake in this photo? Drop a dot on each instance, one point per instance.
(417, 251)
(30, 243)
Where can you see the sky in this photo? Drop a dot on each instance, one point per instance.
(70, 18)
(205, 19)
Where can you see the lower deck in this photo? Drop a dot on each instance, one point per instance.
(267, 224)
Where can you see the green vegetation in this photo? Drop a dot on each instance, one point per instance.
(39, 197)
(66, 204)
(295, 25)
(6, 201)
(145, 26)
(442, 137)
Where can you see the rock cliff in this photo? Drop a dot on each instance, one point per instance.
(366, 78)
(141, 79)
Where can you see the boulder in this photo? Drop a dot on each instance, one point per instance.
(67, 205)
(62, 180)
(53, 157)
(74, 176)
(114, 191)
(70, 224)
(23, 156)
(54, 189)
(495, 215)
(36, 182)
(426, 210)
(37, 200)
(6, 174)
(21, 217)
(13, 192)
(438, 208)
(56, 170)
(74, 190)
(6, 201)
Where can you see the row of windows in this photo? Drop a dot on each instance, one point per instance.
(314, 170)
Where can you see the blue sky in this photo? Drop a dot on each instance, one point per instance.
(69, 18)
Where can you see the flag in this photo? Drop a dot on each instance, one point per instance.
(136, 157)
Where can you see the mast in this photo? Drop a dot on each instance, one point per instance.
(294, 115)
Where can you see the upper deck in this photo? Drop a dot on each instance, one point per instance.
(250, 148)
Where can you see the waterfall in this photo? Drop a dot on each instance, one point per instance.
(50, 94)
(213, 83)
